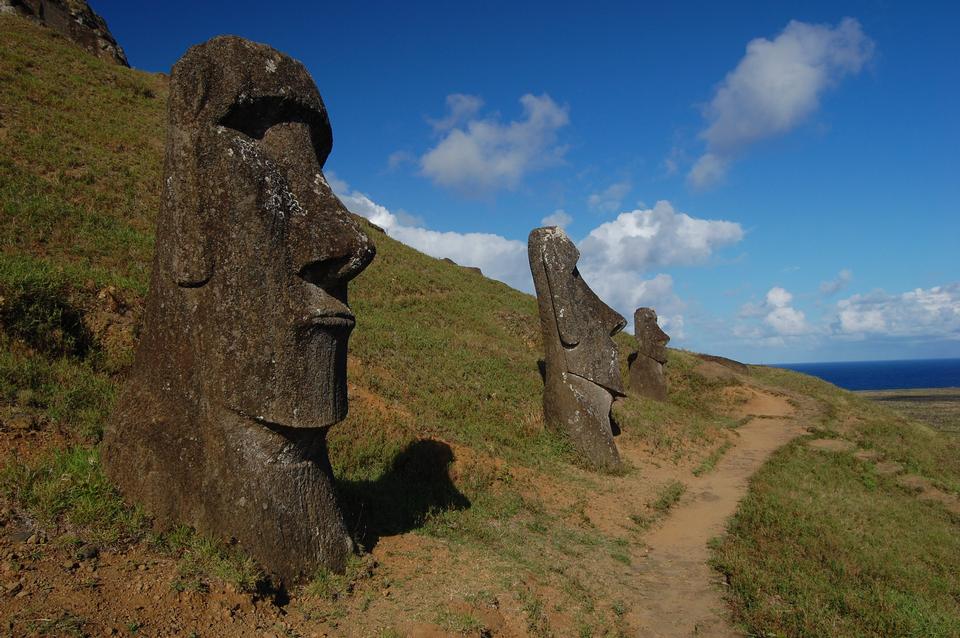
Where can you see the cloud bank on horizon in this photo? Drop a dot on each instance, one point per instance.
(921, 314)
(618, 259)
(776, 85)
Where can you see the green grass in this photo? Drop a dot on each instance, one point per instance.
(712, 459)
(668, 495)
(67, 489)
(823, 545)
(330, 586)
(202, 561)
(537, 623)
(35, 307)
(66, 392)
(459, 622)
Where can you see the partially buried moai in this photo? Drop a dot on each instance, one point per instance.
(646, 365)
(241, 366)
(582, 374)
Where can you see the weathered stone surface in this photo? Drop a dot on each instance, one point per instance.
(582, 369)
(241, 367)
(651, 339)
(647, 377)
(74, 19)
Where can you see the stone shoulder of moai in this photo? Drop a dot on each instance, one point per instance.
(241, 367)
(582, 367)
(646, 377)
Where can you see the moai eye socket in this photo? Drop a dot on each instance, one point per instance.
(255, 116)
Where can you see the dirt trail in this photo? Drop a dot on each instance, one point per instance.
(683, 598)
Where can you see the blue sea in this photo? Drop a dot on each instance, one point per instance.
(885, 375)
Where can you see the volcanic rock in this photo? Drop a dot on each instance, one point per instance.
(647, 378)
(582, 369)
(73, 19)
(241, 367)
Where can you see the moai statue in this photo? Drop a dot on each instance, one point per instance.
(646, 365)
(582, 373)
(241, 366)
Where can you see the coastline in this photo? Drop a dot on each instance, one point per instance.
(938, 407)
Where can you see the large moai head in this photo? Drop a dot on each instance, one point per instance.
(647, 378)
(251, 227)
(582, 364)
(242, 364)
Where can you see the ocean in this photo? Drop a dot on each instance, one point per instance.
(884, 375)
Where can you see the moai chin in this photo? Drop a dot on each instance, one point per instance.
(241, 367)
(582, 373)
(647, 378)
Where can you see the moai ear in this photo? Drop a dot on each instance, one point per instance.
(560, 257)
(193, 251)
(183, 200)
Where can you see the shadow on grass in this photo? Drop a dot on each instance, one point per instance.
(402, 499)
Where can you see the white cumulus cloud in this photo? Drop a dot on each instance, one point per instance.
(782, 317)
(660, 236)
(498, 257)
(708, 169)
(558, 217)
(397, 159)
(608, 200)
(919, 313)
(775, 86)
(835, 285)
(778, 297)
(778, 318)
(481, 156)
(460, 108)
(616, 256)
(787, 321)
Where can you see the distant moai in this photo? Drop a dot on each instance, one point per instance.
(582, 369)
(646, 377)
(241, 367)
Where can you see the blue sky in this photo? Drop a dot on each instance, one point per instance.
(780, 181)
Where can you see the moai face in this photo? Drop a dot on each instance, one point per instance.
(582, 365)
(585, 325)
(652, 340)
(258, 237)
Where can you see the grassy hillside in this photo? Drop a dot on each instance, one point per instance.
(446, 471)
(445, 433)
(857, 539)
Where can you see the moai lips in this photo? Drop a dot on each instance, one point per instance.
(241, 367)
(647, 377)
(582, 373)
